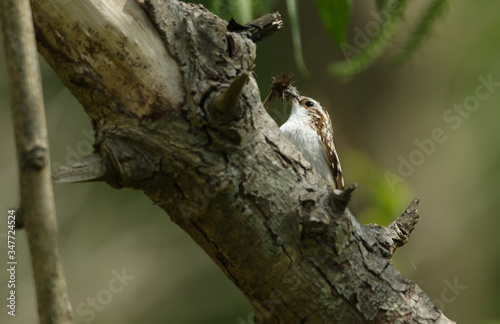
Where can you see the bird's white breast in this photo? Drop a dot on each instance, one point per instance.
(307, 141)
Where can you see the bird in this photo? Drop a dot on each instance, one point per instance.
(309, 128)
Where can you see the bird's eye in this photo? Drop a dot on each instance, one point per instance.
(309, 103)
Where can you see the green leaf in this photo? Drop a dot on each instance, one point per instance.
(380, 41)
(437, 9)
(335, 15)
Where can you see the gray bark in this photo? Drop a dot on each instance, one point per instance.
(163, 83)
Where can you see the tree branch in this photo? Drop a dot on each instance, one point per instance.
(37, 207)
(227, 176)
(398, 232)
(259, 28)
(89, 168)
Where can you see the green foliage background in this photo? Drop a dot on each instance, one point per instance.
(378, 116)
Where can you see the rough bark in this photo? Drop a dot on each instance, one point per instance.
(163, 83)
(37, 207)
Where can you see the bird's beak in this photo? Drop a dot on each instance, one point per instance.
(292, 96)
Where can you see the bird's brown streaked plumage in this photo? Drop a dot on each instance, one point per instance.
(323, 126)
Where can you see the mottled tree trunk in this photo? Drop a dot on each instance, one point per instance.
(177, 114)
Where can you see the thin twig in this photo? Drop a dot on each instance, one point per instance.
(37, 201)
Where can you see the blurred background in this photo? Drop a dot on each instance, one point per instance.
(429, 129)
